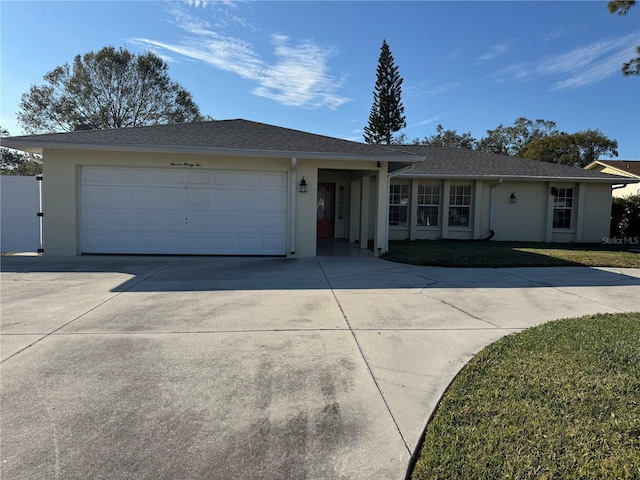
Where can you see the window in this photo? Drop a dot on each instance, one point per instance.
(459, 205)
(562, 207)
(398, 205)
(428, 205)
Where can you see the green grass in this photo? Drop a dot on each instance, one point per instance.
(558, 401)
(455, 253)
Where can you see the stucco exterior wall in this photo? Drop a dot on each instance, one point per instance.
(61, 190)
(597, 212)
(524, 220)
(629, 189)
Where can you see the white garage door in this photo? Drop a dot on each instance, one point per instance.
(182, 211)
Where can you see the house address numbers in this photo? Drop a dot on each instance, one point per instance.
(185, 164)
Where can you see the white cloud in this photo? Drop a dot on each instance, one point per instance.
(582, 66)
(298, 75)
(494, 52)
(429, 88)
(428, 121)
(557, 32)
(197, 3)
(441, 88)
(205, 3)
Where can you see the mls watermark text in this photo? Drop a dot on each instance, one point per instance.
(621, 240)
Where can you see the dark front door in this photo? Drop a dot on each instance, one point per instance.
(326, 209)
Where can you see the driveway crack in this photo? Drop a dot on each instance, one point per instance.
(364, 358)
(460, 310)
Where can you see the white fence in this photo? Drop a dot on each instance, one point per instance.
(19, 207)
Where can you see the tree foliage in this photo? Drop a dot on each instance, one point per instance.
(534, 139)
(442, 138)
(387, 112)
(106, 89)
(621, 7)
(513, 140)
(450, 138)
(577, 149)
(625, 216)
(14, 162)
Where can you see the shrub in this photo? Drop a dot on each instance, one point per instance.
(625, 216)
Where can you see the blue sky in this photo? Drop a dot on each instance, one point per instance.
(311, 65)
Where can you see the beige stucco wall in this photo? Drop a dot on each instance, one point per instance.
(629, 189)
(524, 220)
(528, 219)
(597, 212)
(61, 169)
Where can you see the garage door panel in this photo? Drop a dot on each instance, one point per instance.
(99, 195)
(154, 197)
(273, 182)
(198, 178)
(199, 199)
(131, 210)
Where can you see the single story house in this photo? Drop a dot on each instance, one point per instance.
(625, 168)
(236, 187)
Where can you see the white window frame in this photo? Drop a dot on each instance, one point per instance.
(563, 201)
(398, 201)
(426, 192)
(456, 202)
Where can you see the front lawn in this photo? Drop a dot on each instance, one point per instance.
(458, 253)
(556, 401)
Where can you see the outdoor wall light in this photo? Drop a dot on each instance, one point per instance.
(554, 191)
(513, 197)
(303, 185)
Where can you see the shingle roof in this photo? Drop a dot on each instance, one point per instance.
(238, 135)
(631, 167)
(450, 162)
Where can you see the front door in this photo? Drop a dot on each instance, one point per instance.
(326, 209)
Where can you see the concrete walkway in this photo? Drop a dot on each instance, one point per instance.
(254, 368)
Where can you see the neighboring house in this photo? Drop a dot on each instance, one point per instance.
(625, 168)
(235, 187)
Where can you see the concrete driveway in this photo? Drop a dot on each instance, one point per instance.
(214, 367)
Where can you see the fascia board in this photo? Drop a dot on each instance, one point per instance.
(38, 147)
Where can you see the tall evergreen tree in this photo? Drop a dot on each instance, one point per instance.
(387, 112)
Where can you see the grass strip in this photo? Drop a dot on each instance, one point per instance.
(466, 254)
(557, 401)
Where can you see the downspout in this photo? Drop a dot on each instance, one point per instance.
(491, 197)
(294, 193)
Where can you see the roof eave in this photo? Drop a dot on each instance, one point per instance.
(531, 178)
(39, 147)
